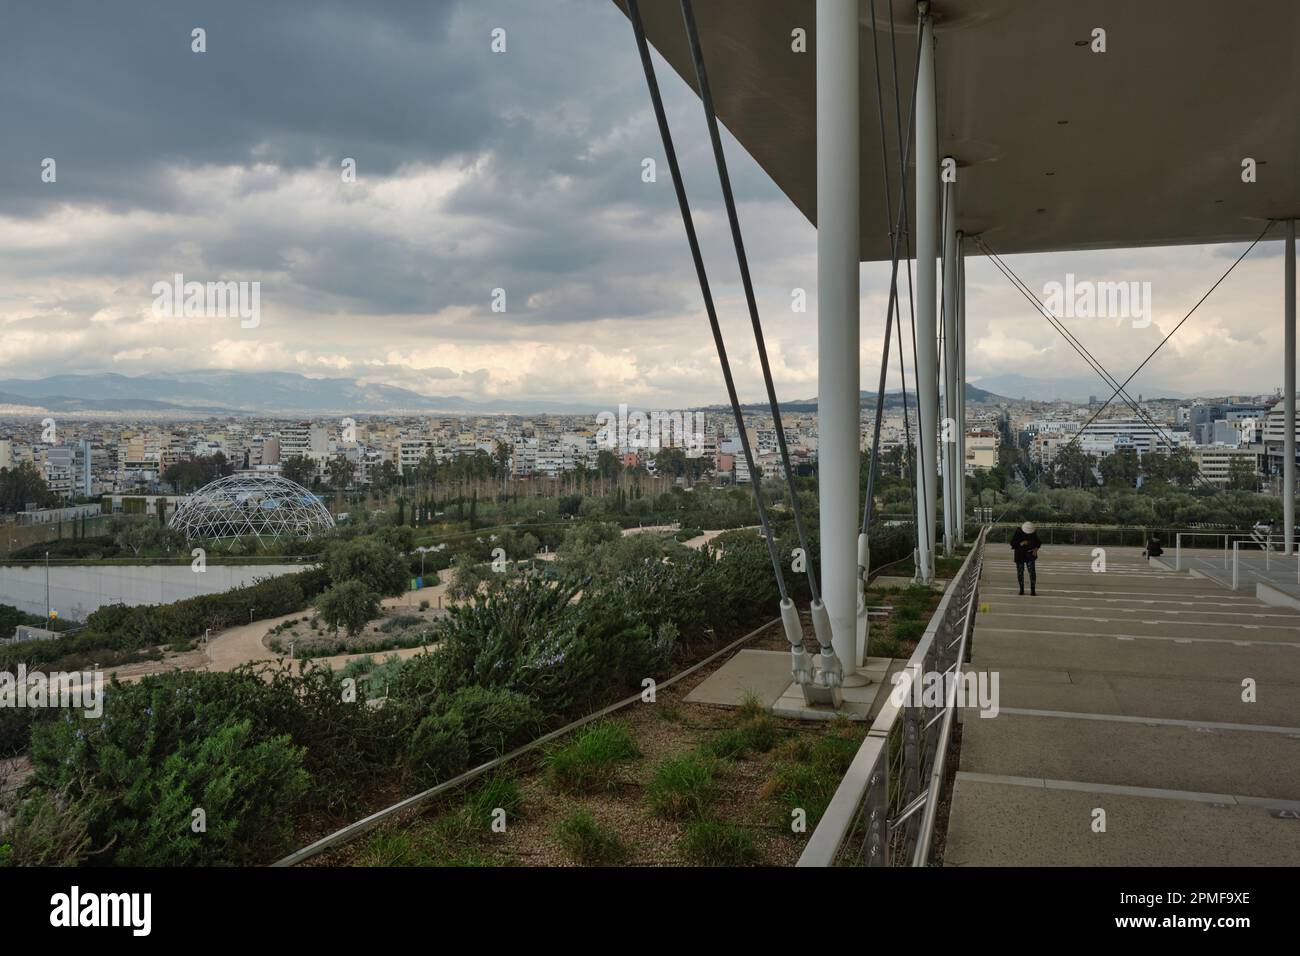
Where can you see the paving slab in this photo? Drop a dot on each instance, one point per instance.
(994, 824)
(765, 674)
(1199, 757)
(858, 703)
(1123, 690)
(1155, 696)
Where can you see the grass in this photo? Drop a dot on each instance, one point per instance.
(391, 847)
(884, 646)
(456, 836)
(912, 610)
(498, 792)
(682, 786)
(668, 711)
(400, 622)
(726, 744)
(809, 772)
(711, 843)
(908, 630)
(587, 842)
(589, 762)
(755, 732)
(442, 842)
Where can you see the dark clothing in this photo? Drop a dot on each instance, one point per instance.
(1031, 564)
(1153, 548)
(1024, 547)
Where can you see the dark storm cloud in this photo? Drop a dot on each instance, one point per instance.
(113, 90)
(557, 128)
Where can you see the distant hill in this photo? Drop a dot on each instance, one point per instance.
(867, 399)
(1064, 389)
(225, 391)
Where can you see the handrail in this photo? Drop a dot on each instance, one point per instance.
(899, 767)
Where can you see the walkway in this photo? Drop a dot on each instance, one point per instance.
(1245, 567)
(1122, 692)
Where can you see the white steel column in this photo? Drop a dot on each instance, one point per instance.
(927, 236)
(1288, 389)
(961, 389)
(951, 410)
(837, 318)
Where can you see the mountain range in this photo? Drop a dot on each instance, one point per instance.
(1017, 387)
(230, 392)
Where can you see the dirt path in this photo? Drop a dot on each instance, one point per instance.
(701, 540)
(245, 643)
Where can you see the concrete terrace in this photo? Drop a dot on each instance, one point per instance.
(1123, 691)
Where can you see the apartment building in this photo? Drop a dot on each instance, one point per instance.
(981, 450)
(304, 440)
(1214, 462)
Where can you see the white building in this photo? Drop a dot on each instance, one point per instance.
(304, 440)
(1214, 462)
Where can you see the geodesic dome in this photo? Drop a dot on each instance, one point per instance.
(267, 506)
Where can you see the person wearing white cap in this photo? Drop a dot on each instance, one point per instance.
(1024, 548)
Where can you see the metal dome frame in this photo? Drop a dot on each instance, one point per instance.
(242, 504)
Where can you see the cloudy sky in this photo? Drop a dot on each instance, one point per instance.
(475, 171)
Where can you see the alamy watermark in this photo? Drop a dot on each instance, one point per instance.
(651, 431)
(974, 689)
(213, 300)
(75, 690)
(1085, 299)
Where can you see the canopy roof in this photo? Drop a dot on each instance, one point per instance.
(1058, 147)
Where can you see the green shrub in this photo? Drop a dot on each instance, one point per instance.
(710, 843)
(401, 621)
(587, 842)
(590, 760)
(144, 799)
(378, 565)
(682, 787)
(253, 748)
(529, 638)
(439, 750)
(48, 830)
(118, 628)
(348, 604)
(495, 720)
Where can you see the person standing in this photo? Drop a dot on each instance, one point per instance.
(1024, 548)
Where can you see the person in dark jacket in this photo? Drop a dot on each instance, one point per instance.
(1024, 548)
(1153, 548)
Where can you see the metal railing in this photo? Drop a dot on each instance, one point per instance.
(883, 813)
(1266, 542)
